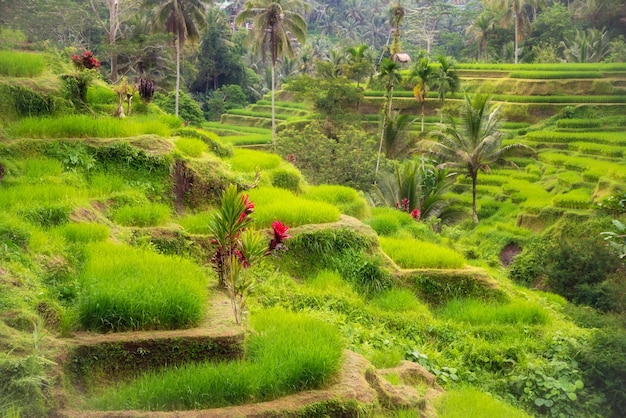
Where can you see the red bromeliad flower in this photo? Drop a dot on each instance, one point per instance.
(280, 234)
(415, 214)
(85, 61)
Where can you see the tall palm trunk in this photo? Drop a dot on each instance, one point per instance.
(423, 105)
(474, 211)
(380, 147)
(273, 110)
(177, 72)
(516, 35)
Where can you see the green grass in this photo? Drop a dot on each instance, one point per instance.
(280, 204)
(612, 138)
(614, 151)
(578, 123)
(248, 139)
(544, 67)
(196, 223)
(560, 75)
(414, 254)
(105, 184)
(28, 195)
(345, 198)
(289, 352)
(574, 199)
(249, 160)
(21, 64)
(477, 312)
(100, 95)
(399, 300)
(472, 403)
(125, 288)
(153, 214)
(84, 232)
(328, 282)
(191, 147)
(84, 126)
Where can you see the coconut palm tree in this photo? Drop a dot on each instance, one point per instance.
(397, 140)
(274, 23)
(419, 80)
(389, 73)
(517, 12)
(183, 18)
(480, 30)
(473, 144)
(446, 80)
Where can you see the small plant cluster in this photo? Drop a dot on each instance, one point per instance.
(403, 205)
(238, 248)
(85, 61)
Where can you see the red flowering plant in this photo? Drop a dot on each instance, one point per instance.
(85, 61)
(238, 248)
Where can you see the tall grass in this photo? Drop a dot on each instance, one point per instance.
(477, 312)
(288, 353)
(191, 147)
(197, 223)
(413, 254)
(345, 198)
(280, 204)
(84, 232)
(152, 214)
(21, 64)
(399, 300)
(249, 160)
(330, 282)
(84, 126)
(125, 288)
(28, 195)
(471, 403)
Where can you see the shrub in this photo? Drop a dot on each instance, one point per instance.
(412, 254)
(153, 214)
(128, 289)
(288, 353)
(188, 109)
(345, 198)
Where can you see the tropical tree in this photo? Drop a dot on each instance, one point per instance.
(359, 63)
(515, 11)
(480, 31)
(389, 73)
(474, 143)
(446, 80)
(591, 45)
(419, 188)
(183, 18)
(419, 80)
(397, 140)
(273, 24)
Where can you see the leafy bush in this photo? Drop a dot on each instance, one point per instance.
(345, 198)
(347, 159)
(188, 109)
(288, 353)
(128, 289)
(412, 254)
(153, 214)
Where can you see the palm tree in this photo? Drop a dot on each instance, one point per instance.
(419, 80)
(359, 63)
(274, 22)
(389, 73)
(474, 144)
(516, 11)
(183, 18)
(446, 80)
(480, 30)
(397, 141)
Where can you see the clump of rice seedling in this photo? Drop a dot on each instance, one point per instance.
(385, 223)
(574, 199)
(399, 300)
(471, 403)
(249, 160)
(345, 198)
(21, 64)
(196, 223)
(101, 95)
(288, 353)
(412, 254)
(49, 215)
(125, 288)
(29, 195)
(39, 168)
(287, 178)
(330, 282)
(152, 214)
(210, 139)
(274, 203)
(84, 232)
(478, 312)
(191, 147)
(105, 184)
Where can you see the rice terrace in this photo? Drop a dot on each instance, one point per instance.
(289, 208)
